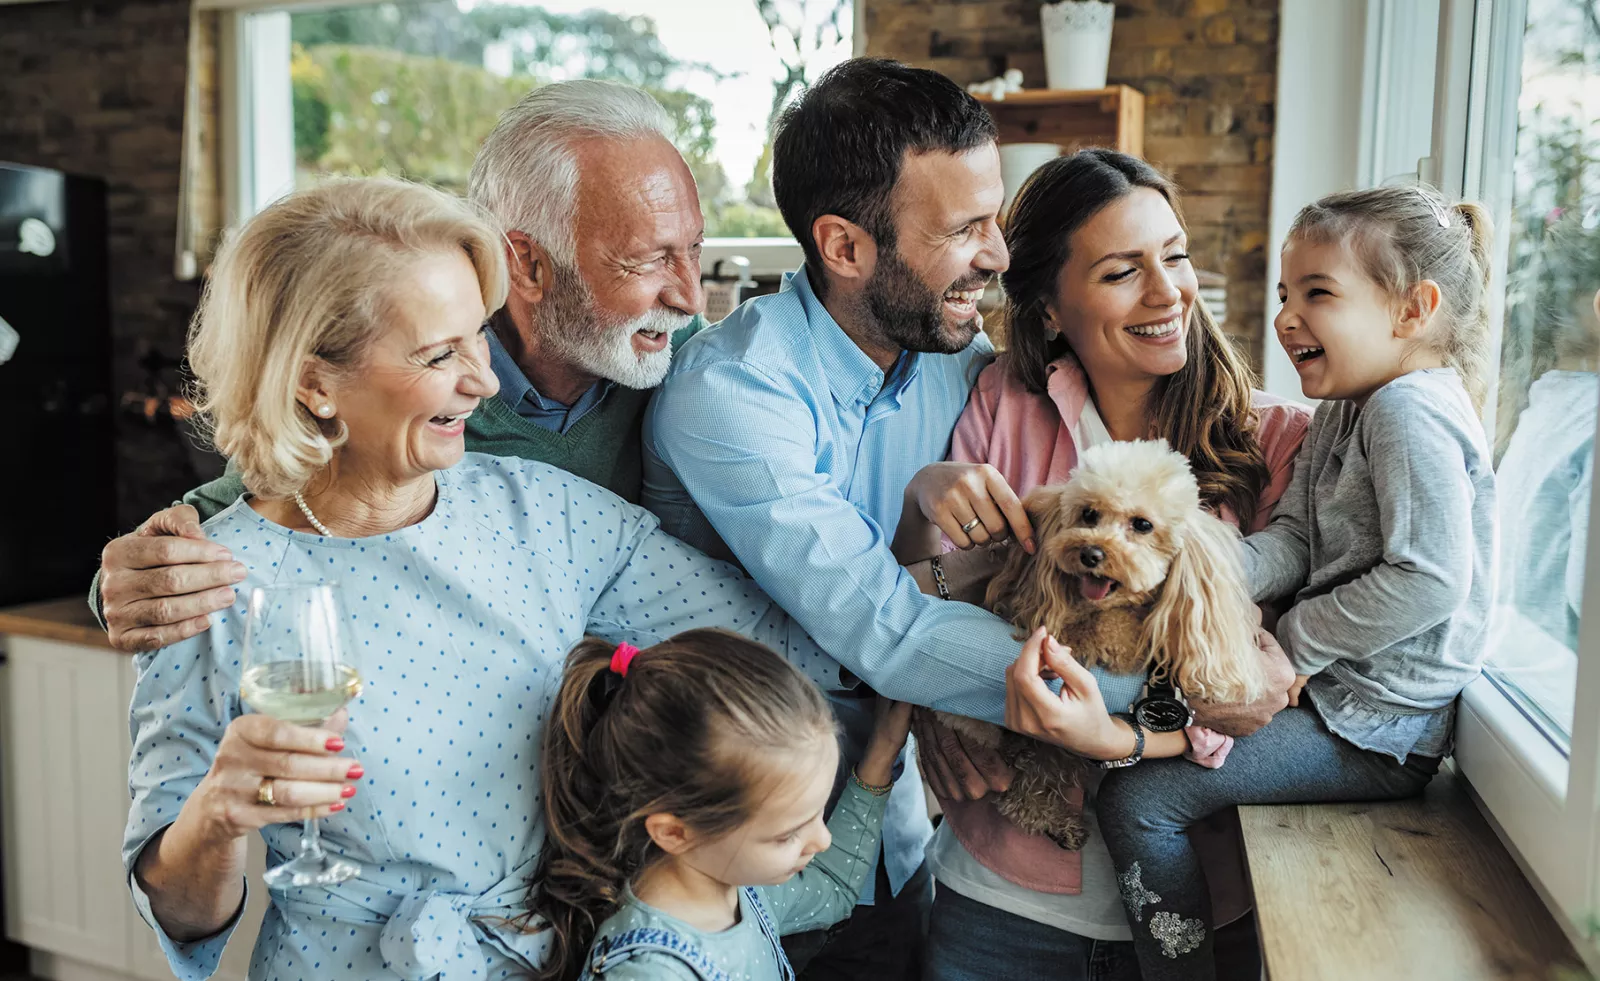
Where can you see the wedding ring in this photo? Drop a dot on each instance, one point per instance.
(264, 793)
(966, 529)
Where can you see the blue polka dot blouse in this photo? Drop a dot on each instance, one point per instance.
(462, 622)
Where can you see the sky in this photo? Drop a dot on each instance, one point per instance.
(729, 35)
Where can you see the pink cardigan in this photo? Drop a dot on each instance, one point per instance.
(1028, 438)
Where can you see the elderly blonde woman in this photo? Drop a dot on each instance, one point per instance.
(339, 351)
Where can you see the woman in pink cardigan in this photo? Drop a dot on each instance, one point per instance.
(1107, 341)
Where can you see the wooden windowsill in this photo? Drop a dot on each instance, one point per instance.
(1410, 890)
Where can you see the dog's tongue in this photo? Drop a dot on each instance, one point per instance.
(1094, 588)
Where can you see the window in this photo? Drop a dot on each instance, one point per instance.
(1548, 389)
(1517, 126)
(412, 88)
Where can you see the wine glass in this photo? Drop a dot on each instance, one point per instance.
(299, 667)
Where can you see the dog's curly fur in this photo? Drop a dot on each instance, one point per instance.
(1133, 575)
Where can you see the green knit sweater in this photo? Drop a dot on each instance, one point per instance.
(603, 447)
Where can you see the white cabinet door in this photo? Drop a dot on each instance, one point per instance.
(66, 800)
(64, 749)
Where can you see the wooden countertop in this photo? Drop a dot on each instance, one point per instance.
(67, 620)
(1400, 890)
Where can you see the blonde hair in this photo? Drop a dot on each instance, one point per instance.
(1406, 234)
(309, 277)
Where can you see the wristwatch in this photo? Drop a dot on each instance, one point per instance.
(1163, 709)
(1138, 744)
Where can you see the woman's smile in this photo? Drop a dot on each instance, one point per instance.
(1167, 330)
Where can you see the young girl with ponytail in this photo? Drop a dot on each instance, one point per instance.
(1384, 541)
(684, 787)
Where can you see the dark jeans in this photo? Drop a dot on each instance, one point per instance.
(1144, 811)
(881, 942)
(971, 941)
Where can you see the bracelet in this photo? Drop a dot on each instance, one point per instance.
(939, 581)
(1138, 744)
(882, 791)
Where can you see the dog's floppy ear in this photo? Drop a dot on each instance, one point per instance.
(1201, 631)
(1012, 589)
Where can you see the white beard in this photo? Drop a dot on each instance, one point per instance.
(576, 334)
(608, 352)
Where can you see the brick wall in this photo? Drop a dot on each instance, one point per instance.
(97, 87)
(1208, 69)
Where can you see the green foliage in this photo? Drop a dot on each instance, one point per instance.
(401, 88)
(392, 113)
(741, 219)
(589, 44)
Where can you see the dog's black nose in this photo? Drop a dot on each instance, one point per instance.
(1091, 555)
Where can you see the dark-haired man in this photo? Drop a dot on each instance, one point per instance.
(785, 437)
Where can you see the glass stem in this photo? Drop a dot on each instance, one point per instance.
(311, 839)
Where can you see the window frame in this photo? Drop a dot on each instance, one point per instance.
(255, 97)
(1542, 803)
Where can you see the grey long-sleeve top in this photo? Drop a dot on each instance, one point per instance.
(1385, 539)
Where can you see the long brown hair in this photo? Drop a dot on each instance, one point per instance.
(1205, 409)
(1403, 234)
(684, 733)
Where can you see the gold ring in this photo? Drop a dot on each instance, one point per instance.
(264, 793)
(966, 529)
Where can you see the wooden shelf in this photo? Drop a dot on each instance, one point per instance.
(1109, 117)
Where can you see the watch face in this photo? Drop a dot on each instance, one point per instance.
(1162, 713)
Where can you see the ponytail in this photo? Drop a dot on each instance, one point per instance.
(674, 734)
(581, 870)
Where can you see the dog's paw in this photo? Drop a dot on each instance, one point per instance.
(1069, 839)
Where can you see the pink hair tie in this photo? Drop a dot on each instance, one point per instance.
(622, 658)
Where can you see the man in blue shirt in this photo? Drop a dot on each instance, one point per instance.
(785, 437)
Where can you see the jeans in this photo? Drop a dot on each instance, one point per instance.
(1145, 809)
(972, 941)
(881, 942)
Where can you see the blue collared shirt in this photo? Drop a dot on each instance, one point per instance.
(777, 441)
(518, 392)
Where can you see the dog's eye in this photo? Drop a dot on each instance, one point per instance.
(1090, 517)
(1142, 525)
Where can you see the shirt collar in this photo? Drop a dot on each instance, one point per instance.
(852, 376)
(514, 384)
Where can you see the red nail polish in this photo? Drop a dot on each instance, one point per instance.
(347, 792)
(336, 807)
(356, 773)
(335, 744)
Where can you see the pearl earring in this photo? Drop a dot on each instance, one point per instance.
(324, 411)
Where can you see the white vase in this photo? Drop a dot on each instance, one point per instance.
(1017, 161)
(1077, 43)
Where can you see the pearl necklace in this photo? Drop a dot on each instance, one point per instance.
(305, 510)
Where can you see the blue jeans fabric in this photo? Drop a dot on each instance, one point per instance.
(1145, 809)
(971, 941)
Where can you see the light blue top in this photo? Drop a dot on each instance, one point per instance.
(1385, 537)
(463, 621)
(526, 401)
(816, 897)
(776, 440)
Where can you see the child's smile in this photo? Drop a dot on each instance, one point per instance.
(1337, 325)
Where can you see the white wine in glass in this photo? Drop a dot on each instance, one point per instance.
(299, 667)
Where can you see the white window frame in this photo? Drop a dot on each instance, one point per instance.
(256, 99)
(1543, 804)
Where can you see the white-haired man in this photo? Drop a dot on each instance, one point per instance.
(605, 282)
